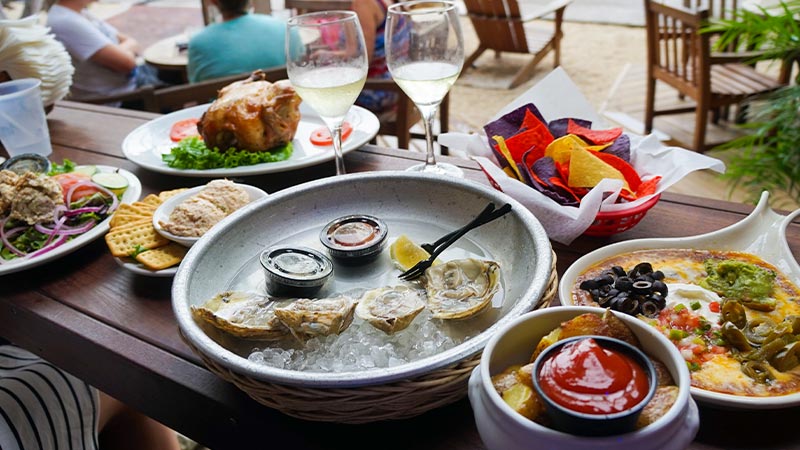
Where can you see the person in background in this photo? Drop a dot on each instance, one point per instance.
(241, 43)
(372, 16)
(43, 407)
(104, 59)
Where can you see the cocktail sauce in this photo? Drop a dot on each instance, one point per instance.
(587, 378)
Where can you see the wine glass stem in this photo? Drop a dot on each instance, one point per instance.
(336, 132)
(428, 113)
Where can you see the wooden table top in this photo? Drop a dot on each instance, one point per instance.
(116, 329)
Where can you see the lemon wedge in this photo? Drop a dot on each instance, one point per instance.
(405, 253)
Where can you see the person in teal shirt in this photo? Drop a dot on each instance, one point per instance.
(242, 42)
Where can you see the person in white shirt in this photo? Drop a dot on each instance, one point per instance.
(104, 59)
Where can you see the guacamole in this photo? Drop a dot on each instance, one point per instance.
(750, 284)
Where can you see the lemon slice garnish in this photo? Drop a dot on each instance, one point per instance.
(405, 253)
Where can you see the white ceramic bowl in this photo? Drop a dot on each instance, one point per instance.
(762, 233)
(502, 428)
(165, 209)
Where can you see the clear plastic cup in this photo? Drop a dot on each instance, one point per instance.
(23, 126)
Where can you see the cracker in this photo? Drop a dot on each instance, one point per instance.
(127, 208)
(133, 224)
(124, 240)
(152, 200)
(162, 257)
(144, 206)
(167, 194)
(118, 220)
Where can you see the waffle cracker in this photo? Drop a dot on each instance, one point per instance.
(152, 200)
(119, 220)
(162, 257)
(124, 240)
(164, 195)
(126, 208)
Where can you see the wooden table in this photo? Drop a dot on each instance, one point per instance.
(116, 330)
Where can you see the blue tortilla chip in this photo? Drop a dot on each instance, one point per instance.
(558, 127)
(621, 148)
(508, 125)
(543, 170)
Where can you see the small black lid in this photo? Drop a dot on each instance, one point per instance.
(27, 162)
(375, 229)
(296, 266)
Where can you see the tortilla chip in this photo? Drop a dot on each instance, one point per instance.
(537, 138)
(621, 148)
(510, 123)
(587, 170)
(595, 137)
(558, 127)
(561, 148)
(501, 147)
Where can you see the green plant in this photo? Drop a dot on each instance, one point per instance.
(769, 157)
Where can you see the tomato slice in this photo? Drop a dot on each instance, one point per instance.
(183, 129)
(321, 136)
(67, 180)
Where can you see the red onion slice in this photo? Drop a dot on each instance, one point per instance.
(61, 239)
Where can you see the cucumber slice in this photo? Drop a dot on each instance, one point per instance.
(112, 181)
(88, 170)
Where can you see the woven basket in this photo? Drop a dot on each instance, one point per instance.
(608, 223)
(398, 400)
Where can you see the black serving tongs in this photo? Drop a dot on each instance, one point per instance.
(435, 249)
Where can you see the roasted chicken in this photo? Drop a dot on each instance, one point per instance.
(252, 114)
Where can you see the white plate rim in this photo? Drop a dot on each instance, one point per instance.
(136, 148)
(139, 269)
(130, 195)
(165, 209)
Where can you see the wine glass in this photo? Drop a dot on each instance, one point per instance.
(425, 53)
(327, 64)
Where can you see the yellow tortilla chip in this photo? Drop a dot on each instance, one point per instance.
(586, 170)
(561, 149)
(501, 145)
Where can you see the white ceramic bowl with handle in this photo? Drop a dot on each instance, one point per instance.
(502, 428)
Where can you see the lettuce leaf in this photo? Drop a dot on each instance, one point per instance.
(192, 153)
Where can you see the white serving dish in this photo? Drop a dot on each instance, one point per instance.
(502, 428)
(762, 233)
(165, 209)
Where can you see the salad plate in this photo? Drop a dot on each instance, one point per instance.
(145, 145)
(131, 194)
(132, 265)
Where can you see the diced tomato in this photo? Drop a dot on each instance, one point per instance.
(322, 136)
(67, 180)
(183, 129)
(714, 307)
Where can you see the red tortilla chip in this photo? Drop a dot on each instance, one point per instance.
(595, 137)
(630, 174)
(648, 187)
(538, 137)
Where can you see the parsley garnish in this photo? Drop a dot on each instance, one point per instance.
(136, 250)
(66, 166)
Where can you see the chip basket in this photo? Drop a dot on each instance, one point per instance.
(392, 401)
(608, 223)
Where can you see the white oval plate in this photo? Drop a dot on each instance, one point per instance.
(165, 209)
(139, 269)
(145, 145)
(131, 195)
(762, 233)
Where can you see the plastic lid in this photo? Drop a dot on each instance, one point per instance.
(354, 236)
(296, 266)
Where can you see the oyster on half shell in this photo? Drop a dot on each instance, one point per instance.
(390, 308)
(242, 314)
(307, 318)
(461, 288)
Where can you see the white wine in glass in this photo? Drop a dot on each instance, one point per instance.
(327, 63)
(425, 53)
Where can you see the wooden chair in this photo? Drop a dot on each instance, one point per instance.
(501, 27)
(173, 98)
(681, 57)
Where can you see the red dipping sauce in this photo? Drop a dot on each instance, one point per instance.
(587, 378)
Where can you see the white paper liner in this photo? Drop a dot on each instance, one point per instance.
(557, 96)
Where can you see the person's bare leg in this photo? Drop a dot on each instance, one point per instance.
(122, 428)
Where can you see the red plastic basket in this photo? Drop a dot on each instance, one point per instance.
(608, 223)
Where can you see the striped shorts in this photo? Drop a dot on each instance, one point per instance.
(42, 407)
